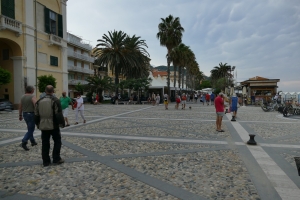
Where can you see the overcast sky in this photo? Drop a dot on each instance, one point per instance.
(259, 37)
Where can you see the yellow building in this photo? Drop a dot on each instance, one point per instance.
(33, 42)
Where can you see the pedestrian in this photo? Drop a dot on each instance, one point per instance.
(207, 98)
(234, 106)
(153, 98)
(166, 101)
(48, 118)
(157, 99)
(212, 98)
(226, 103)
(183, 101)
(178, 100)
(196, 97)
(219, 106)
(203, 98)
(65, 101)
(26, 111)
(191, 97)
(79, 108)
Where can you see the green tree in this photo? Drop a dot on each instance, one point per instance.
(79, 88)
(45, 80)
(5, 76)
(204, 84)
(124, 54)
(97, 85)
(170, 35)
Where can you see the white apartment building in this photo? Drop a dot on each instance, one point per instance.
(80, 62)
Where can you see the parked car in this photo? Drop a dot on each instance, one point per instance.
(106, 97)
(6, 105)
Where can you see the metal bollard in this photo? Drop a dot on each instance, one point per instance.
(252, 141)
(297, 160)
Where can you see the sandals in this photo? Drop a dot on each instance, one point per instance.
(76, 123)
(221, 130)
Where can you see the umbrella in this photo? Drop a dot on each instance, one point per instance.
(244, 90)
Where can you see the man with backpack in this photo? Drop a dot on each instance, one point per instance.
(48, 118)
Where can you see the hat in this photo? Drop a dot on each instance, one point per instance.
(221, 94)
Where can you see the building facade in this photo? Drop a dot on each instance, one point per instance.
(33, 42)
(80, 62)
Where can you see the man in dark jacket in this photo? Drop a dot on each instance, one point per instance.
(48, 118)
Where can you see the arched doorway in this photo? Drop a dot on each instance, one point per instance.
(11, 59)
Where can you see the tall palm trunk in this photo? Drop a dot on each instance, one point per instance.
(175, 69)
(183, 72)
(168, 79)
(179, 76)
(117, 78)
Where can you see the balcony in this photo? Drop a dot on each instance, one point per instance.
(80, 69)
(75, 82)
(53, 39)
(80, 56)
(11, 24)
(77, 41)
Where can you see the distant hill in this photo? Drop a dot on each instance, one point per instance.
(164, 68)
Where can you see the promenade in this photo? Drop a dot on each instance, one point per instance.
(147, 152)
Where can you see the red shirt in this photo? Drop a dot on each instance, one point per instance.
(207, 97)
(219, 104)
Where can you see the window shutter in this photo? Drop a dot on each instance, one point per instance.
(8, 8)
(47, 20)
(60, 26)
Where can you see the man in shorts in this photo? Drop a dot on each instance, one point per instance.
(166, 101)
(219, 105)
(65, 101)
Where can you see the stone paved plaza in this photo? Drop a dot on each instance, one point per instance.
(147, 152)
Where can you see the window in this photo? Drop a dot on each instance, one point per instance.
(8, 8)
(79, 77)
(53, 23)
(71, 76)
(53, 61)
(5, 54)
(52, 19)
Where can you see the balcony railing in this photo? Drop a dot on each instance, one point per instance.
(80, 56)
(11, 24)
(72, 39)
(75, 82)
(53, 39)
(80, 69)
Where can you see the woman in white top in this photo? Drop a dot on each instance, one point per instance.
(79, 108)
(157, 99)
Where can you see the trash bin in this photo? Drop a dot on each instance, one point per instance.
(297, 160)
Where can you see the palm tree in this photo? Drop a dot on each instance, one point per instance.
(97, 85)
(170, 34)
(220, 72)
(122, 53)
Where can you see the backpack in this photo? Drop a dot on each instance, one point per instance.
(177, 100)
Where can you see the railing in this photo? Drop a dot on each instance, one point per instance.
(80, 56)
(11, 24)
(78, 42)
(80, 69)
(75, 82)
(53, 39)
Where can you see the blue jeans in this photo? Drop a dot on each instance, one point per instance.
(29, 119)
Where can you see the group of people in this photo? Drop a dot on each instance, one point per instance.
(49, 114)
(221, 105)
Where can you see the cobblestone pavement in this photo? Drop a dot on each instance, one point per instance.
(147, 152)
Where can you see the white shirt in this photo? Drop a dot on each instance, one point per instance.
(79, 103)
